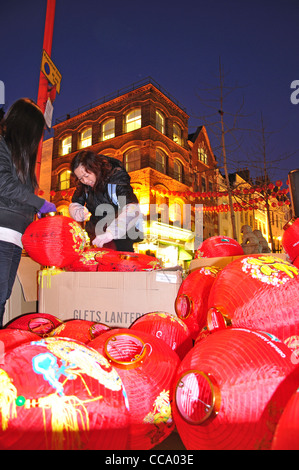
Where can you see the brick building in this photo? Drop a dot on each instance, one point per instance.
(147, 130)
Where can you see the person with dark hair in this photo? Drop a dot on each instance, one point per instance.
(22, 129)
(105, 200)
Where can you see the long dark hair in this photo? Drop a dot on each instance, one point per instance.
(101, 165)
(23, 127)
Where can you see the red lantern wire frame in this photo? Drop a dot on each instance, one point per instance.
(39, 323)
(290, 238)
(259, 292)
(219, 246)
(79, 330)
(191, 304)
(166, 327)
(58, 394)
(226, 391)
(54, 241)
(147, 367)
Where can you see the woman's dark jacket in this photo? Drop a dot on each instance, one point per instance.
(18, 203)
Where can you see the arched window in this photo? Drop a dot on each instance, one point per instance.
(178, 170)
(160, 122)
(64, 180)
(108, 129)
(133, 120)
(132, 160)
(177, 134)
(66, 145)
(86, 138)
(160, 161)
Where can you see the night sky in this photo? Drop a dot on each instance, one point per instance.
(100, 47)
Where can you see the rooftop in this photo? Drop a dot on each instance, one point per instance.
(116, 94)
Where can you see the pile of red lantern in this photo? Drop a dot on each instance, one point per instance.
(224, 372)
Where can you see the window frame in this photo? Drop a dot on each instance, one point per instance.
(66, 181)
(177, 133)
(161, 166)
(107, 134)
(66, 146)
(178, 175)
(87, 141)
(135, 122)
(160, 121)
(135, 163)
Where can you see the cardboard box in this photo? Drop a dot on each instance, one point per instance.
(221, 262)
(24, 294)
(116, 299)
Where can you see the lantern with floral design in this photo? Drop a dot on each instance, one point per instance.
(54, 240)
(259, 292)
(58, 394)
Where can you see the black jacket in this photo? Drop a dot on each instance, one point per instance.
(93, 199)
(18, 203)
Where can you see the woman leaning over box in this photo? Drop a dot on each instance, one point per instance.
(21, 129)
(104, 198)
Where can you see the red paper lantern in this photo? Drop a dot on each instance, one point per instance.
(86, 260)
(296, 262)
(80, 330)
(54, 241)
(224, 389)
(259, 292)
(219, 246)
(191, 304)
(147, 367)
(290, 239)
(286, 435)
(168, 328)
(110, 260)
(39, 323)
(57, 394)
(12, 338)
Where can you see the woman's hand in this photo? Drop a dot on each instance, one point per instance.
(101, 240)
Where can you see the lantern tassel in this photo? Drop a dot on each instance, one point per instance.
(67, 412)
(8, 395)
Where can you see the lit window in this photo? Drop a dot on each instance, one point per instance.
(132, 160)
(108, 129)
(66, 146)
(160, 161)
(202, 155)
(177, 134)
(64, 180)
(178, 170)
(160, 122)
(86, 138)
(133, 120)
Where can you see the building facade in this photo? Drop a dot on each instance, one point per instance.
(147, 131)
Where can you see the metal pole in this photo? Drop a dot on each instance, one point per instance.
(43, 81)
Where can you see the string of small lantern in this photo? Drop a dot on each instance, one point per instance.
(252, 203)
